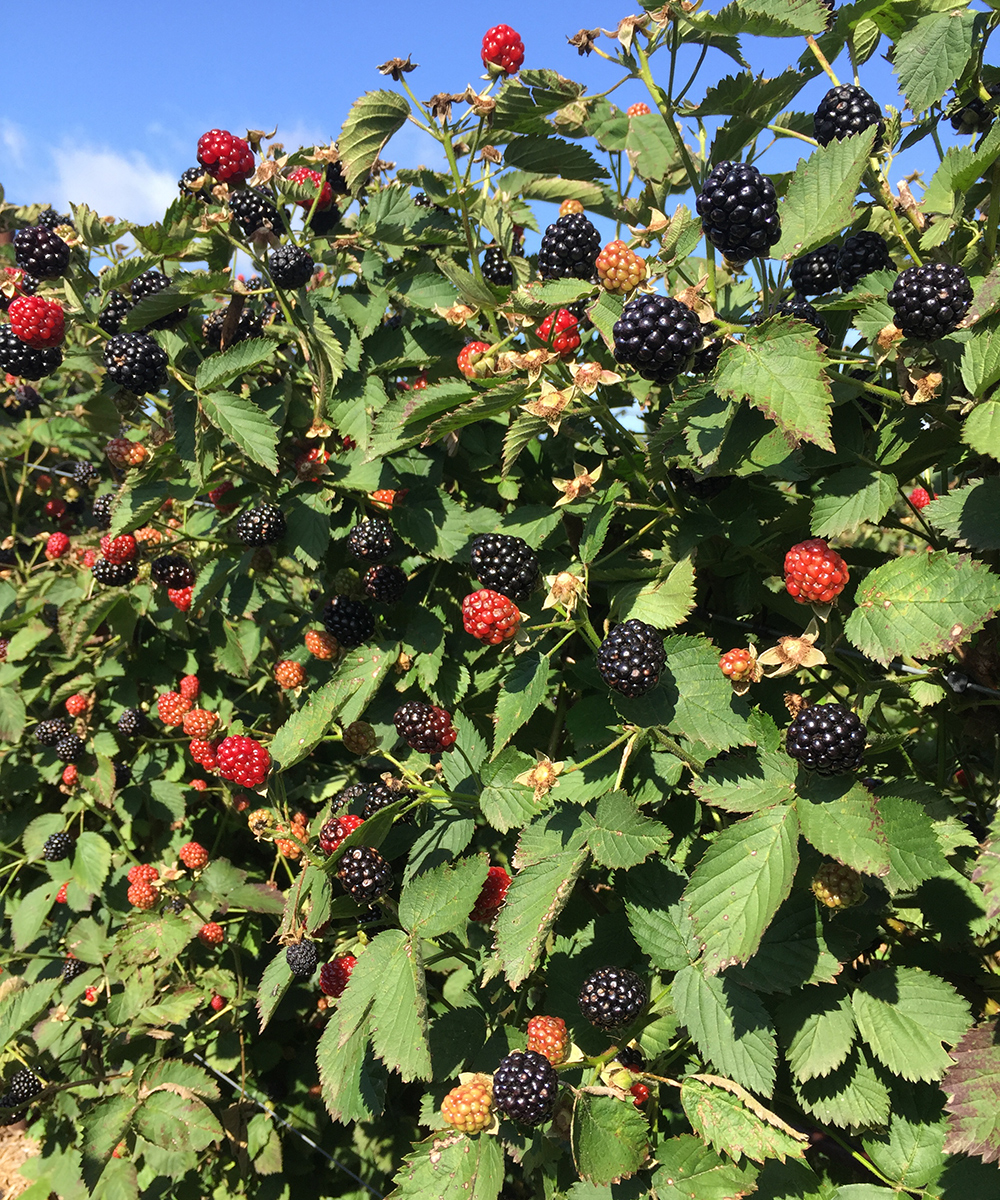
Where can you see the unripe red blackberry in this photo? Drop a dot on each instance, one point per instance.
(263, 525)
(861, 254)
(302, 958)
(385, 583)
(334, 975)
(612, 997)
(502, 49)
(815, 574)
(639, 109)
(193, 855)
(930, 301)
(845, 110)
(336, 830)
(320, 644)
(135, 362)
(350, 621)
(838, 886)
(211, 934)
(243, 760)
(253, 209)
(548, 1036)
(424, 727)
(40, 252)
(657, 336)
(739, 211)
(490, 617)
(525, 1087)
(560, 331)
(225, 157)
(16, 358)
(289, 674)
(827, 738)
(371, 540)
(505, 564)
(620, 269)
(317, 183)
(39, 323)
(491, 896)
(290, 267)
(468, 1106)
(364, 874)
(631, 658)
(815, 274)
(569, 249)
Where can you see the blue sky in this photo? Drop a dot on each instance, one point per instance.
(127, 88)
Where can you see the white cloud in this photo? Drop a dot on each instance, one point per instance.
(13, 141)
(111, 184)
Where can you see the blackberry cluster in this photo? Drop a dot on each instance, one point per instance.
(116, 309)
(18, 358)
(505, 564)
(827, 738)
(371, 540)
(496, 268)
(190, 180)
(135, 362)
(525, 1086)
(290, 267)
(816, 274)
(149, 283)
(40, 252)
(302, 959)
(253, 209)
(172, 571)
(131, 723)
(424, 727)
(739, 211)
(631, 658)
(24, 1086)
(84, 472)
(57, 847)
(612, 997)
(350, 621)
(261, 526)
(385, 583)
(249, 325)
(974, 116)
(657, 335)
(800, 309)
(113, 574)
(69, 748)
(102, 509)
(49, 732)
(861, 254)
(569, 249)
(381, 794)
(930, 301)
(846, 110)
(364, 874)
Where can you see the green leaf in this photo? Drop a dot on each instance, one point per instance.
(663, 603)
(620, 836)
(987, 870)
(104, 1125)
(922, 605)
(817, 1030)
(651, 147)
(704, 706)
(972, 1085)
(690, 1170)
(505, 803)
(746, 784)
(252, 430)
(275, 981)
(119, 1181)
(373, 119)
(233, 361)
(795, 950)
(915, 852)
(981, 362)
(775, 18)
(931, 54)
(850, 498)
(729, 1025)
(441, 899)
(905, 1015)
(981, 429)
(20, 1008)
(181, 1076)
(968, 514)
(910, 1151)
(524, 688)
(548, 154)
(819, 202)
(737, 887)
(609, 1139)
(177, 1122)
(91, 862)
(31, 914)
(852, 1094)
(451, 1167)
(778, 368)
(733, 1122)
(351, 1082)
(657, 916)
(842, 820)
(13, 715)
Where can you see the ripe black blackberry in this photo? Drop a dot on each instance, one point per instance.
(290, 267)
(50, 615)
(612, 997)
(657, 335)
(347, 796)
(69, 748)
(827, 738)
(800, 309)
(350, 621)
(135, 362)
(302, 959)
(382, 793)
(496, 268)
(371, 540)
(254, 209)
(505, 564)
(335, 178)
(631, 1057)
(631, 658)
(150, 283)
(845, 110)
(248, 326)
(8, 556)
(424, 727)
(816, 274)
(739, 211)
(172, 571)
(100, 513)
(930, 301)
(256, 283)
(131, 723)
(18, 358)
(263, 525)
(57, 847)
(707, 358)
(974, 116)
(176, 905)
(116, 309)
(385, 582)
(364, 874)
(191, 180)
(24, 1086)
(123, 774)
(72, 967)
(40, 252)
(422, 200)
(49, 732)
(525, 1087)
(569, 249)
(113, 574)
(84, 472)
(26, 401)
(323, 223)
(50, 219)
(861, 254)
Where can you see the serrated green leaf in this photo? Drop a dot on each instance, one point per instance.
(968, 514)
(987, 870)
(275, 981)
(931, 54)
(905, 1015)
(737, 887)
(441, 899)
(778, 368)
(373, 119)
(651, 148)
(13, 715)
(915, 853)
(609, 1139)
(795, 949)
(658, 917)
(20, 1008)
(981, 362)
(702, 705)
(547, 154)
(104, 1125)
(981, 429)
(843, 820)
(119, 1181)
(851, 497)
(852, 1094)
(748, 783)
(120, 274)
(972, 1084)
(91, 861)
(31, 914)
(399, 1009)
(690, 1170)
(352, 1083)
(598, 522)
(451, 1167)
(235, 360)
(724, 1117)
(505, 803)
(620, 836)
(729, 1025)
(911, 1151)
(524, 688)
(922, 605)
(817, 1030)
(177, 1122)
(251, 429)
(663, 603)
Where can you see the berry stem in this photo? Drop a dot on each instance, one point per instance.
(994, 213)
(600, 753)
(666, 109)
(882, 193)
(821, 59)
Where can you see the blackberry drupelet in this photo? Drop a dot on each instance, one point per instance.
(657, 335)
(116, 309)
(382, 793)
(846, 110)
(974, 116)
(113, 574)
(84, 472)
(424, 727)
(505, 564)
(40, 252)
(860, 254)
(69, 748)
(930, 301)
(131, 723)
(816, 274)
(249, 325)
(149, 283)
(371, 540)
(190, 180)
(100, 513)
(290, 267)
(350, 621)
(570, 247)
(135, 362)
(385, 583)
(49, 732)
(631, 658)
(18, 358)
(496, 268)
(612, 997)
(525, 1087)
(800, 309)
(172, 571)
(263, 525)
(739, 211)
(57, 847)
(302, 959)
(827, 738)
(364, 874)
(254, 209)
